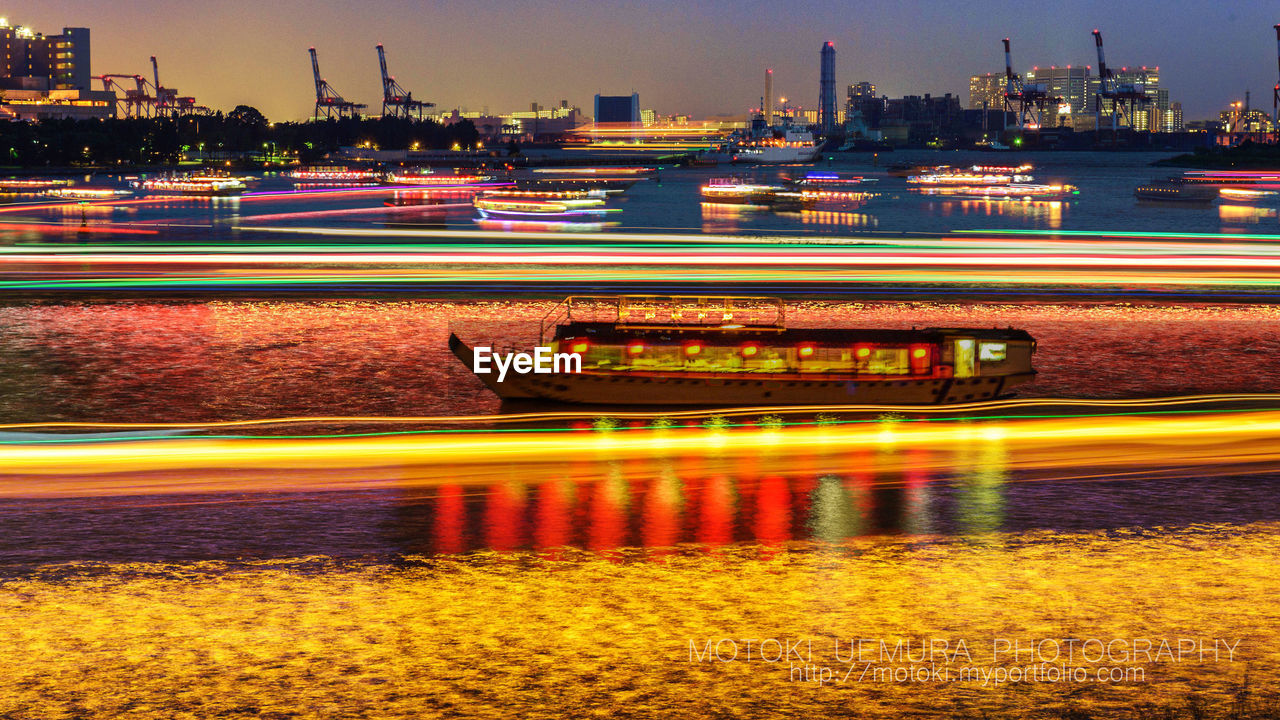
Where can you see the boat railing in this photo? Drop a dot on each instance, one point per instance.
(666, 310)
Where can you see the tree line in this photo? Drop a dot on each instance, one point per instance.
(244, 130)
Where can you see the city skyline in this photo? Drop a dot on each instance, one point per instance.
(503, 56)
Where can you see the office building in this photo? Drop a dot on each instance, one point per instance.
(827, 89)
(32, 61)
(618, 108)
(986, 91)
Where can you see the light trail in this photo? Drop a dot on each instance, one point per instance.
(1004, 407)
(1208, 438)
(666, 260)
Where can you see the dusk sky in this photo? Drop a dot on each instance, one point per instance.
(702, 58)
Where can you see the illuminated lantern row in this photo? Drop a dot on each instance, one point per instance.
(921, 354)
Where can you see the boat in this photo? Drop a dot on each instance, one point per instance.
(1011, 191)
(1239, 194)
(975, 175)
(194, 185)
(541, 206)
(1176, 191)
(737, 351)
(87, 193)
(317, 174)
(795, 146)
(430, 179)
(15, 186)
(734, 191)
(830, 179)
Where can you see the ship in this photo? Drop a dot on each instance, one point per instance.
(194, 185)
(733, 191)
(334, 174)
(737, 351)
(975, 175)
(795, 146)
(1011, 191)
(1176, 191)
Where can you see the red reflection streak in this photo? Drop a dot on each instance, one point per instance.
(504, 517)
(553, 526)
(715, 517)
(660, 517)
(450, 520)
(607, 524)
(773, 511)
(916, 482)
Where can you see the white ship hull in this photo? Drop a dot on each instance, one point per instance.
(777, 155)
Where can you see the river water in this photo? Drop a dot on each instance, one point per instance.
(498, 587)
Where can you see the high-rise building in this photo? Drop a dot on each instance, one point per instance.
(1073, 83)
(32, 61)
(1175, 123)
(860, 92)
(986, 89)
(618, 108)
(827, 89)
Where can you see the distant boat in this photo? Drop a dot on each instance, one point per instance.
(317, 174)
(87, 193)
(194, 185)
(733, 191)
(1176, 191)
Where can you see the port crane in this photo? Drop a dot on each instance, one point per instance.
(395, 97)
(328, 98)
(130, 103)
(1027, 101)
(1125, 99)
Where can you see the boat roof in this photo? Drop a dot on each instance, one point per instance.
(608, 331)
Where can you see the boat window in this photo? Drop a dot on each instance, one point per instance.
(964, 358)
(888, 361)
(992, 351)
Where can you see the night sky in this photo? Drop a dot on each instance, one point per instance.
(699, 57)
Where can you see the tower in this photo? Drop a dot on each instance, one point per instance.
(827, 89)
(768, 98)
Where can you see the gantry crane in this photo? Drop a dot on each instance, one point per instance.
(328, 99)
(395, 97)
(166, 98)
(1027, 101)
(1125, 99)
(134, 103)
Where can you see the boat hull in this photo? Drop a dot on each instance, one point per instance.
(625, 388)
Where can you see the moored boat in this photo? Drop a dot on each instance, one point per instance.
(735, 351)
(733, 191)
(340, 174)
(1176, 191)
(87, 193)
(194, 185)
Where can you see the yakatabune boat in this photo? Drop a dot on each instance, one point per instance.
(734, 351)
